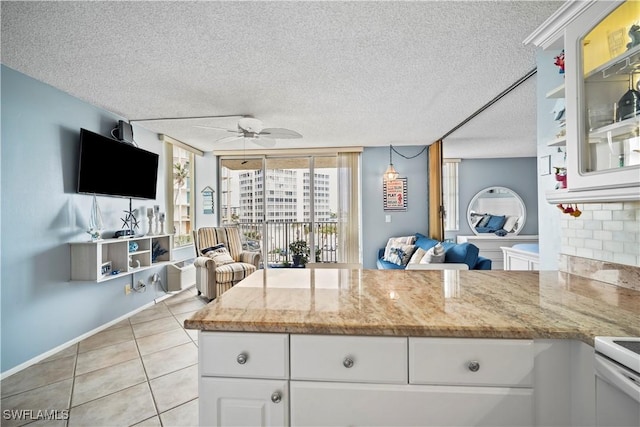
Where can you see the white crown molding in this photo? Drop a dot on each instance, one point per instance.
(550, 34)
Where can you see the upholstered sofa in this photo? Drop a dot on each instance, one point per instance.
(213, 277)
(462, 253)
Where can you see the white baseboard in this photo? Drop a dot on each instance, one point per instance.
(76, 340)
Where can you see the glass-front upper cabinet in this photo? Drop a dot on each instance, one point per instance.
(604, 46)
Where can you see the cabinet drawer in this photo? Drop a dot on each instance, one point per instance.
(342, 404)
(349, 358)
(245, 355)
(454, 361)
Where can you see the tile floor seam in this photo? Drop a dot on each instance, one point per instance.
(177, 406)
(77, 353)
(146, 375)
(109, 394)
(73, 383)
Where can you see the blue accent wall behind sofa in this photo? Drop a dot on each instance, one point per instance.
(41, 213)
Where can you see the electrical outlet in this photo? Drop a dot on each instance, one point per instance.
(141, 284)
(127, 289)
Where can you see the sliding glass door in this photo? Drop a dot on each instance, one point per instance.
(279, 200)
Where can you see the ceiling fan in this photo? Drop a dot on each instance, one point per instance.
(253, 129)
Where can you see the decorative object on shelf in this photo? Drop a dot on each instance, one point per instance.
(629, 104)
(634, 35)
(157, 251)
(395, 194)
(133, 246)
(575, 212)
(390, 173)
(150, 216)
(95, 221)
(137, 263)
(156, 212)
(559, 61)
(559, 110)
(130, 222)
(208, 204)
(105, 268)
(561, 177)
(299, 252)
(162, 222)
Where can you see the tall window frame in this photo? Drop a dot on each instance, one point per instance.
(180, 186)
(451, 194)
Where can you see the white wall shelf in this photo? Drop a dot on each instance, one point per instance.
(88, 258)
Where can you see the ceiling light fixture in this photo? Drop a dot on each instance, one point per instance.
(390, 174)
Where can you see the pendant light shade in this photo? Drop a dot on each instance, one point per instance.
(390, 173)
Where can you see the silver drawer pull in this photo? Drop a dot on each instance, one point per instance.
(276, 397)
(474, 366)
(242, 358)
(348, 362)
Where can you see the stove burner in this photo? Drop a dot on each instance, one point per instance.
(630, 345)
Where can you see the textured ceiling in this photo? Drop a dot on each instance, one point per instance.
(339, 73)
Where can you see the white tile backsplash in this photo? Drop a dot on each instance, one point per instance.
(604, 232)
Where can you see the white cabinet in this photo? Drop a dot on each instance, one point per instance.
(265, 378)
(348, 358)
(518, 259)
(110, 258)
(244, 355)
(242, 402)
(602, 131)
(491, 246)
(476, 362)
(342, 404)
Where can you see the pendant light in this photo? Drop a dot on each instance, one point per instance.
(390, 173)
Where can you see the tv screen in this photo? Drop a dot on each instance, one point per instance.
(113, 168)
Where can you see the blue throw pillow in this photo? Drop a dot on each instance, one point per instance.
(463, 253)
(424, 242)
(496, 222)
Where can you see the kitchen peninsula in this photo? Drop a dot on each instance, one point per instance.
(390, 347)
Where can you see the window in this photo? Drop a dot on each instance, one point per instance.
(182, 197)
(450, 195)
(277, 199)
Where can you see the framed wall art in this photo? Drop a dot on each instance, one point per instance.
(395, 194)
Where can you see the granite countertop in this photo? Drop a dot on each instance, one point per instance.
(468, 304)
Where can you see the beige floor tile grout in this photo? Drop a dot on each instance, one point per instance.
(181, 298)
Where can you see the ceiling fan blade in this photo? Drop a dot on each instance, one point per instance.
(216, 128)
(227, 139)
(280, 133)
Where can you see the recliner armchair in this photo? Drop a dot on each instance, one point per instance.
(213, 280)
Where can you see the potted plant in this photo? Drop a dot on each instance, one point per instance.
(299, 252)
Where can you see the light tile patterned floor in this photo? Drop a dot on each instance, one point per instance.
(142, 371)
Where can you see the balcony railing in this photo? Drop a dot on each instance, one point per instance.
(277, 237)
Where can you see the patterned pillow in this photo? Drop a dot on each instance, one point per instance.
(434, 255)
(219, 254)
(396, 241)
(400, 254)
(417, 255)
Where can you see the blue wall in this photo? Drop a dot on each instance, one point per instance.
(375, 231)
(518, 174)
(41, 214)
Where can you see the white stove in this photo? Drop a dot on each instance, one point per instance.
(622, 350)
(617, 368)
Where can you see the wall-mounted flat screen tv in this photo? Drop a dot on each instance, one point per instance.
(113, 168)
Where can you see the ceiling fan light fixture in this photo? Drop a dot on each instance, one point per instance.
(391, 173)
